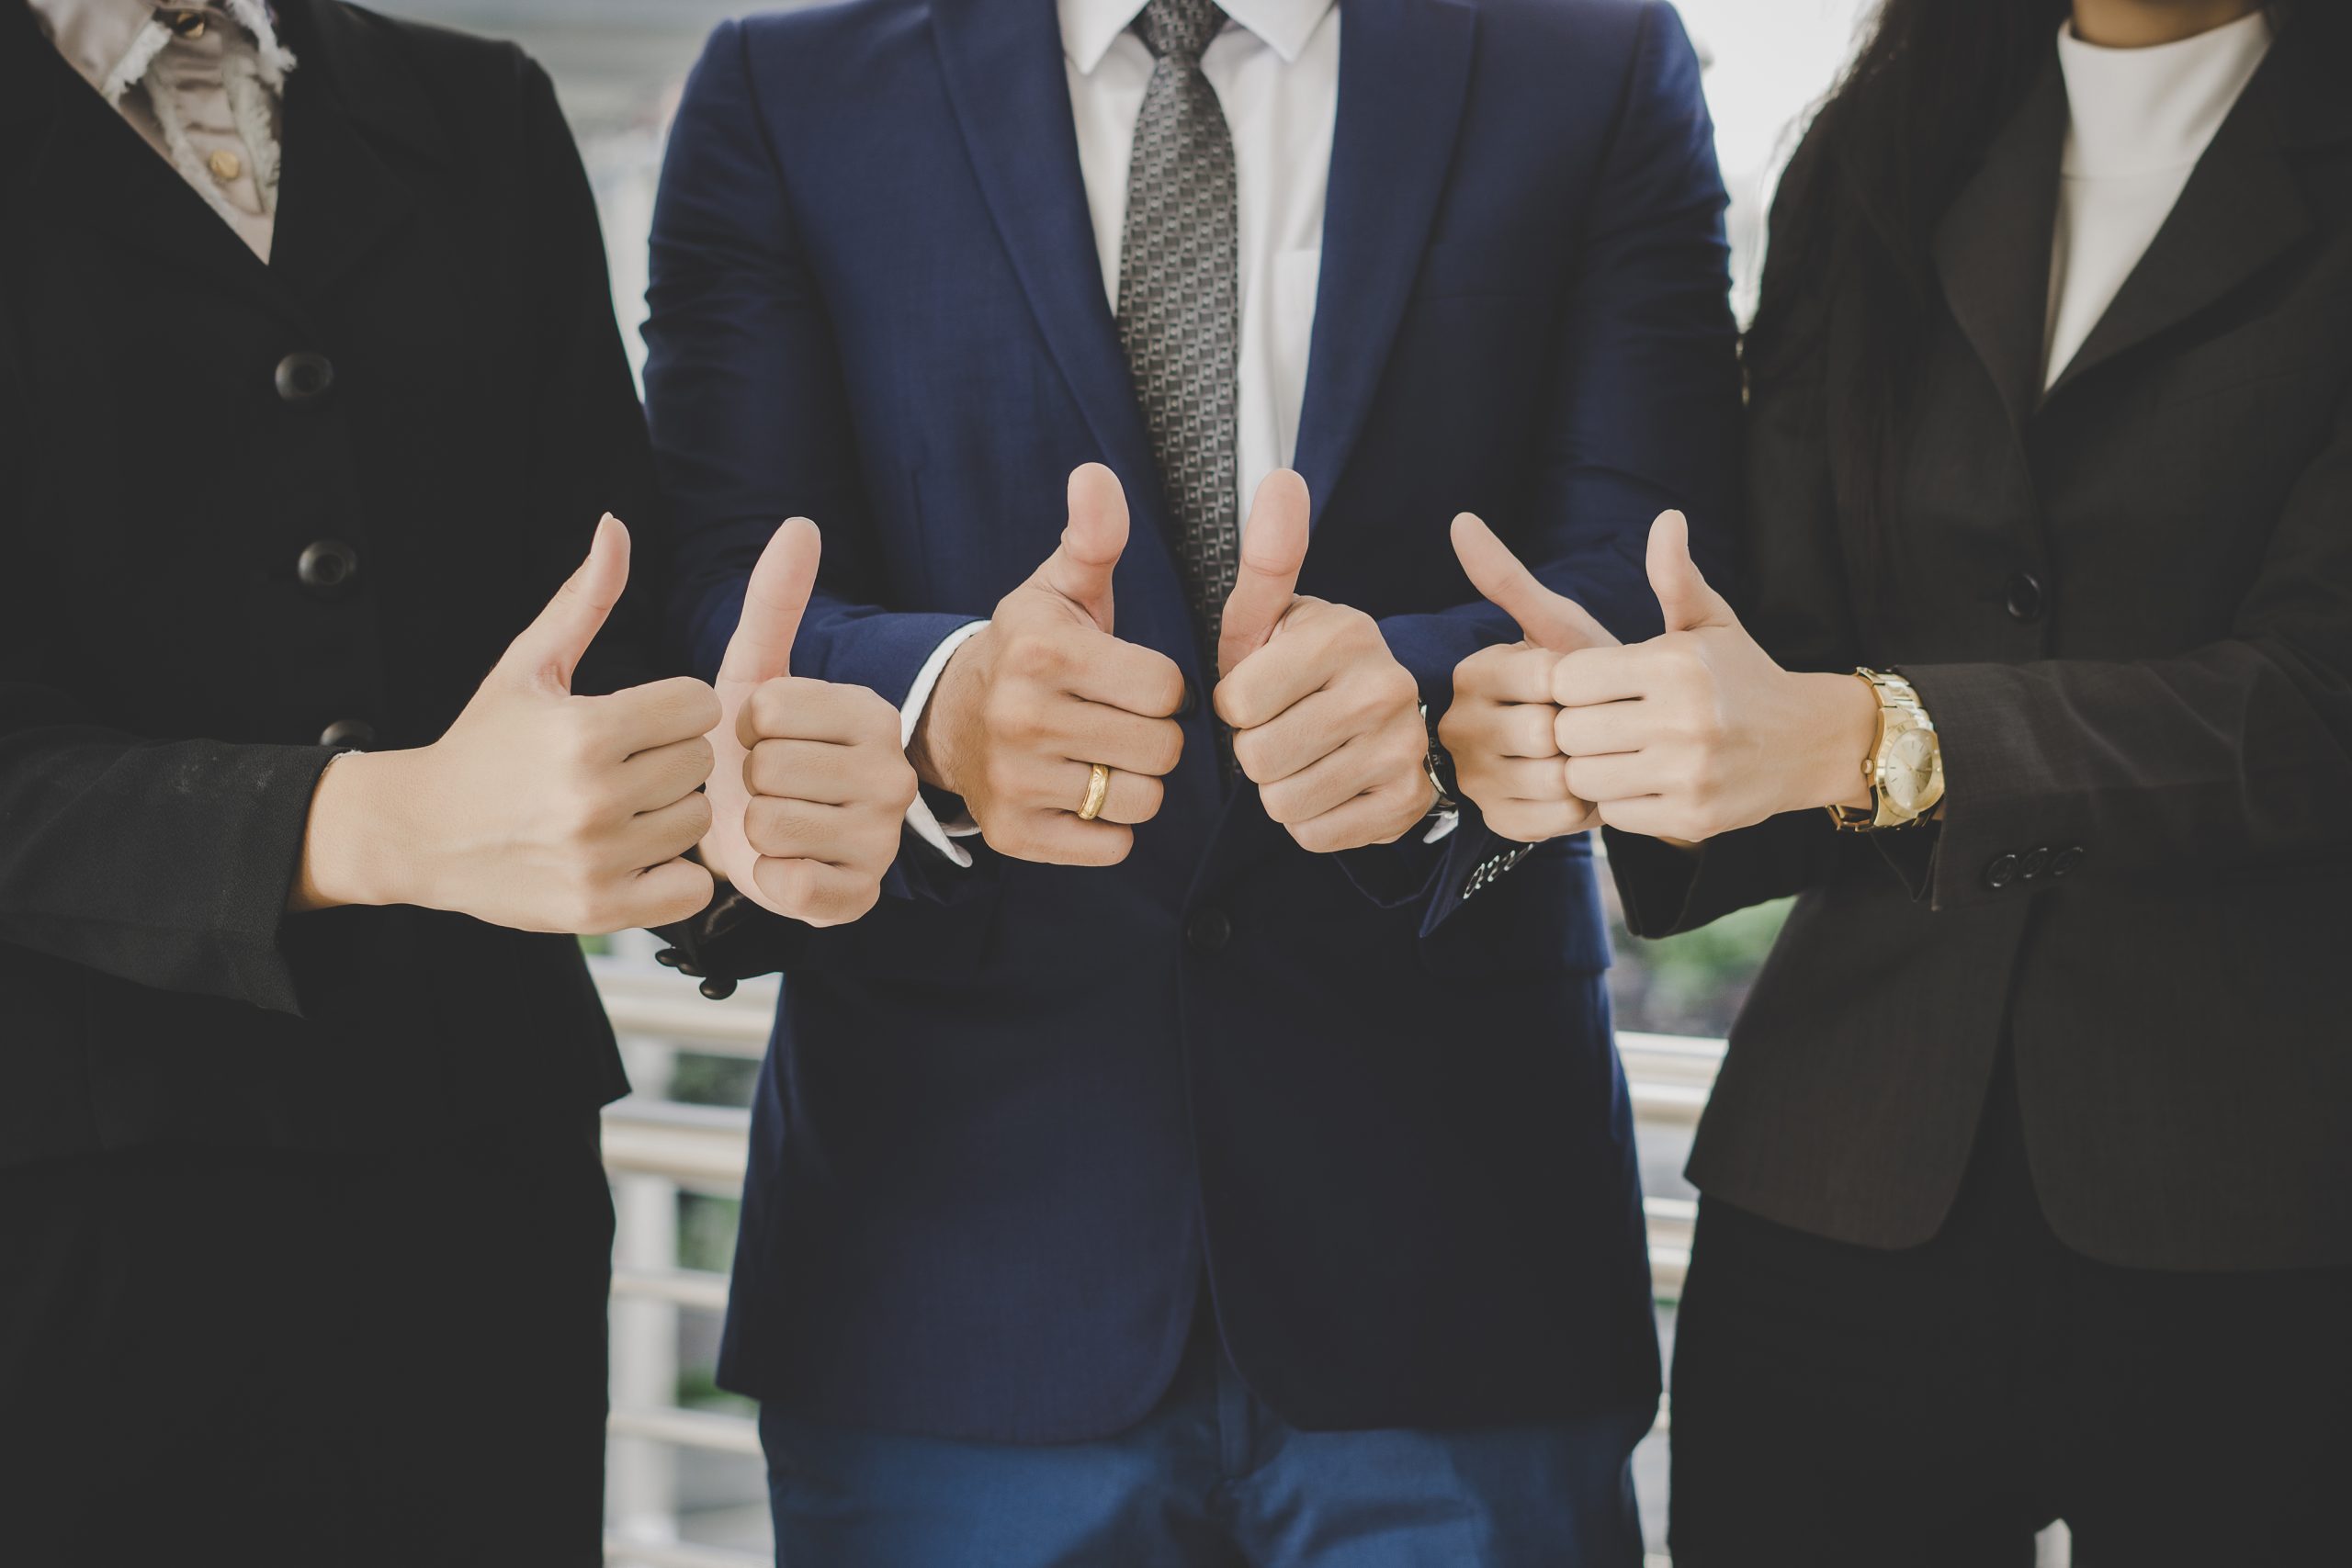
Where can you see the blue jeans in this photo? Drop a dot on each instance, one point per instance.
(1211, 1479)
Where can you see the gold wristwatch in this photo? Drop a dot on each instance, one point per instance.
(1905, 769)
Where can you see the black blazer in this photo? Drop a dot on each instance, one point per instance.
(247, 509)
(2127, 607)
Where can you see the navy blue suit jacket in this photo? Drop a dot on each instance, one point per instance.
(1010, 1116)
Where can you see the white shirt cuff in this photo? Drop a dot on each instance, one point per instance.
(939, 836)
(1441, 827)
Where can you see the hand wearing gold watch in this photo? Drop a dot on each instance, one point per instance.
(1699, 731)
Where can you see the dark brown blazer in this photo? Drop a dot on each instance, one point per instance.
(2127, 607)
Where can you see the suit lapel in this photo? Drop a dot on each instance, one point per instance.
(351, 98)
(93, 169)
(338, 196)
(1009, 92)
(2240, 209)
(1404, 75)
(337, 200)
(1992, 246)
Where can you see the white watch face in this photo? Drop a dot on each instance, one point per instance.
(1907, 768)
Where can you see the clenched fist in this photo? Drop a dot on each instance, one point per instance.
(1501, 728)
(1326, 722)
(539, 810)
(809, 787)
(1027, 705)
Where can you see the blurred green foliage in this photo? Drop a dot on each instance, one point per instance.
(1691, 984)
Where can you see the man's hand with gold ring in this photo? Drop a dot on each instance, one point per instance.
(1054, 732)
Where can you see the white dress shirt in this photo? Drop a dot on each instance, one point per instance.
(205, 96)
(2140, 119)
(1275, 66)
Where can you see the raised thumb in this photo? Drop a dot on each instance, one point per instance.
(1080, 568)
(774, 600)
(1683, 595)
(552, 646)
(1549, 620)
(1273, 548)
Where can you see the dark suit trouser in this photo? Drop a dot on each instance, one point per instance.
(1933, 1407)
(295, 1360)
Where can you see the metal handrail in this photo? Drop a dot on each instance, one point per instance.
(1669, 1076)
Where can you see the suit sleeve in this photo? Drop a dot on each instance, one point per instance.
(749, 415)
(1644, 411)
(163, 862)
(2234, 755)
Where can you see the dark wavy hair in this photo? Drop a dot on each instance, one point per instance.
(1932, 85)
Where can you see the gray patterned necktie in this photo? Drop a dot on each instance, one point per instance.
(1180, 317)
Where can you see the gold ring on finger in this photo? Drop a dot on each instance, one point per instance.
(1098, 790)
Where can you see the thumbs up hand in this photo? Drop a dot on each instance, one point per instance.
(1500, 729)
(809, 784)
(1326, 722)
(1031, 703)
(1698, 731)
(538, 809)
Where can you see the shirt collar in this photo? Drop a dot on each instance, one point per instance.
(93, 35)
(1091, 26)
(97, 37)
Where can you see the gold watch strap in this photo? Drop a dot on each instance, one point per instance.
(1895, 695)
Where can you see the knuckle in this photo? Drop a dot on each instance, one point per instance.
(1226, 703)
(1398, 684)
(1012, 837)
(767, 824)
(578, 817)
(582, 735)
(695, 894)
(1249, 750)
(1315, 836)
(1150, 795)
(707, 711)
(792, 883)
(768, 710)
(875, 717)
(901, 789)
(1170, 692)
(585, 904)
(1032, 657)
(1022, 723)
(851, 903)
(1171, 752)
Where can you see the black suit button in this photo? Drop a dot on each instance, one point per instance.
(353, 734)
(1188, 702)
(304, 378)
(1208, 930)
(329, 568)
(2026, 599)
(2034, 862)
(2001, 873)
(2065, 860)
